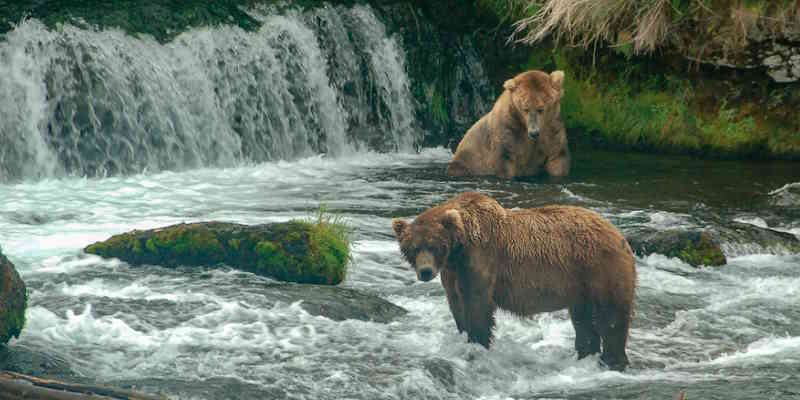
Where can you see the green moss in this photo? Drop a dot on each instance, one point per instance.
(235, 244)
(151, 246)
(272, 260)
(188, 244)
(127, 242)
(702, 252)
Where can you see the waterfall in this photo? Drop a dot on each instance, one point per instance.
(101, 102)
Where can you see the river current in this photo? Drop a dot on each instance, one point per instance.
(719, 333)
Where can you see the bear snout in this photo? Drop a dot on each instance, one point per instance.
(533, 134)
(425, 274)
(426, 269)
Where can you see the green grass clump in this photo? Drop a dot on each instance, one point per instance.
(309, 251)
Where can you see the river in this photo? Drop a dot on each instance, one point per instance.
(730, 332)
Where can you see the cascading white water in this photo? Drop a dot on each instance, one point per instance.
(87, 102)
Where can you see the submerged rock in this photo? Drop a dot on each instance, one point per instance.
(709, 246)
(30, 361)
(787, 196)
(13, 301)
(741, 235)
(337, 303)
(294, 251)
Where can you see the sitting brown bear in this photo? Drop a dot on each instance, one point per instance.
(527, 261)
(521, 134)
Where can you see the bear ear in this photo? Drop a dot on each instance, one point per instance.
(452, 221)
(558, 79)
(399, 225)
(510, 85)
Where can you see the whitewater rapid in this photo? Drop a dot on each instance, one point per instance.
(212, 333)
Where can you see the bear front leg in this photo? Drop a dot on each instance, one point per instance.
(506, 166)
(479, 310)
(454, 298)
(559, 166)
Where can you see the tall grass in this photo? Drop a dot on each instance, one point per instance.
(645, 25)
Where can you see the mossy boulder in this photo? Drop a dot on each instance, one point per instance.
(693, 247)
(711, 246)
(13, 301)
(294, 251)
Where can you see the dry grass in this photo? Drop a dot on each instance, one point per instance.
(640, 23)
(646, 25)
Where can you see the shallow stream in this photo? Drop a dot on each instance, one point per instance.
(720, 333)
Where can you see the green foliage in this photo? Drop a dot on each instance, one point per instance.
(639, 103)
(439, 107)
(509, 11)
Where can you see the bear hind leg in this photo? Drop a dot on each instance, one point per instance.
(587, 340)
(613, 323)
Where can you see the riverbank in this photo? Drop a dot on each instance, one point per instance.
(645, 78)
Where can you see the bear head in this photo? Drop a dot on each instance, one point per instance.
(536, 98)
(431, 240)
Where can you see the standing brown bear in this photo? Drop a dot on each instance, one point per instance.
(521, 134)
(527, 261)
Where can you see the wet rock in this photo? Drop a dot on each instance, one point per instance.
(294, 251)
(29, 361)
(337, 303)
(441, 370)
(709, 246)
(13, 301)
(741, 235)
(693, 247)
(787, 196)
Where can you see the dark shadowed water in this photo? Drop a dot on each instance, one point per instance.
(719, 333)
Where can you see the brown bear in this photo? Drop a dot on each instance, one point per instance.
(527, 261)
(521, 134)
